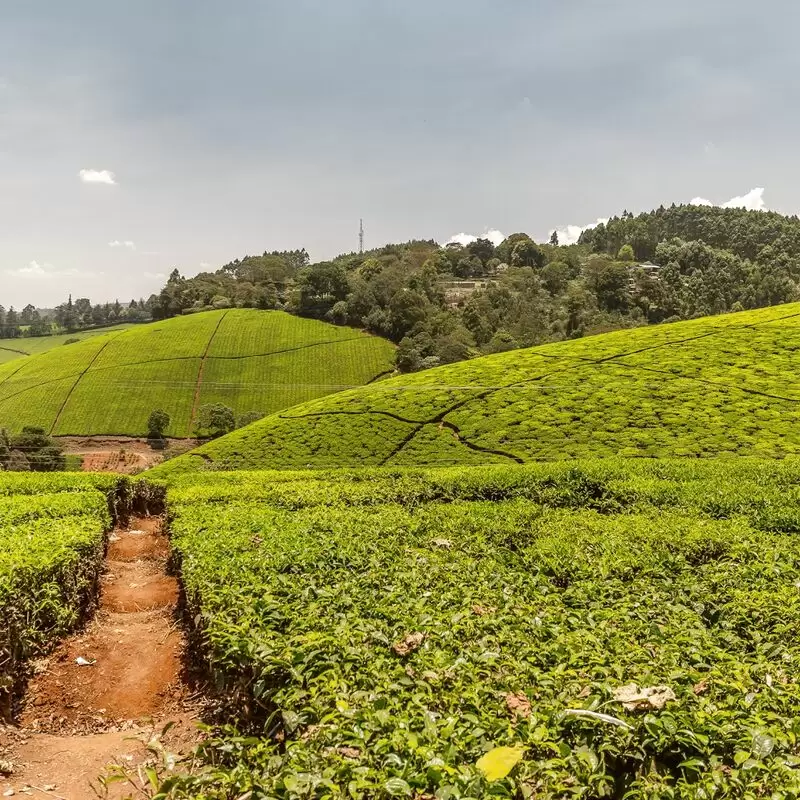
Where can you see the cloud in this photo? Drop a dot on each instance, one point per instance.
(127, 244)
(204, 265)
(35, 270)
(493, 235)
(752, 201)
(97, 176)
(155, 275)
(570, 234)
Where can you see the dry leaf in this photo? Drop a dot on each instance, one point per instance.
(348, 752)
(585, 692)
(518, 704)
(409, 643)
(482, 611)
(442, 543)
(650, 697)
(701, 687)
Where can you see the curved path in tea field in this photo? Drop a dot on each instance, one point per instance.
(82, 721)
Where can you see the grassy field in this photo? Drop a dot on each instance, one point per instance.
(12, 349)
(725, 385)
(623, 627)
(249, 360)
(52, 541)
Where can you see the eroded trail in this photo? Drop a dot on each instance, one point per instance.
(80, 717)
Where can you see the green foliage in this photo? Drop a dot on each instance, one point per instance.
(242, 358)
(717, 386)
(157, 424)
(51, 551)
(378, 633)
(32, 449)
(215, 420)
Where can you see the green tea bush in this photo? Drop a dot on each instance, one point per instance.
(378, 632)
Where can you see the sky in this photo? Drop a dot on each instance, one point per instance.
(138, 137)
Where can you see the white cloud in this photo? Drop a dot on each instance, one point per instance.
(204, 265)
(97, 176)
(127, 244)
(570, 234)
(752, 201)
(493, 235)
(155, 275)
(35, 270)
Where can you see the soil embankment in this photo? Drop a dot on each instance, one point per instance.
(109, 689)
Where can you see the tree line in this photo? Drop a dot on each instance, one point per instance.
(446, 304)
(71, 316)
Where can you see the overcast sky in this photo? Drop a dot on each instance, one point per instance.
(139, 136)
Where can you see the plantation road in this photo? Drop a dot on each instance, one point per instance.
(97, 706)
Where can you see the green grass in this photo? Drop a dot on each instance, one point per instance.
(250, 360)
(552, 585)
(13, 349)
(717, 386)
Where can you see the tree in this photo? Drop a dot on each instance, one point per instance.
(526, 253)
(215, 420)
(249, 417)
(157, 424)
(40, 452)
(625, 253)
(554, 238)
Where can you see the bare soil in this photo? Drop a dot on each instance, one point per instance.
(79, 721)
(122, 454)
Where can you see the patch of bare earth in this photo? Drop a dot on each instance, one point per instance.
(109, 689)
(121, 454)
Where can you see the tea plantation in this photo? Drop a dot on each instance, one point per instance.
(594, 629)
(725, 385)
(246, 359)
(52, 541)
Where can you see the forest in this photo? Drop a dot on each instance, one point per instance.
(450, 303)
(442, 304)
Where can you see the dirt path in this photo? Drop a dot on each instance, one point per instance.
(77, 719)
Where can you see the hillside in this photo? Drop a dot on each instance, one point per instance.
(725, 385)
(249, 360)
(20, 347)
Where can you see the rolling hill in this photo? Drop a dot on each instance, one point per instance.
(717, 386)
(249, 360)
(13, 349)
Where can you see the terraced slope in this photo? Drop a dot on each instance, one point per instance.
(250, 360)
(726, 385)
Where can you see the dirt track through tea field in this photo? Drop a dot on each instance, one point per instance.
(79, 717)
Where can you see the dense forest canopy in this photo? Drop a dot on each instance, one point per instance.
(442, 304)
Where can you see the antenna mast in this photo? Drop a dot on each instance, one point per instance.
(361, 237)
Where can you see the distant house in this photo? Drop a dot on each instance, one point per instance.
(648, 268)
(456, 292)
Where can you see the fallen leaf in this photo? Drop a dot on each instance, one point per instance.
(442, 543)
(650, 697)
(348, 752)
(497, 763)
(700, 687)
(408, 644)
(518, 704)
(482, 611)
(585, 692)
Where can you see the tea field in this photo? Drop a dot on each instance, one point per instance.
(717, 386)
(610, 628)
(52, 541)
(12, 349)
(249, 360)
